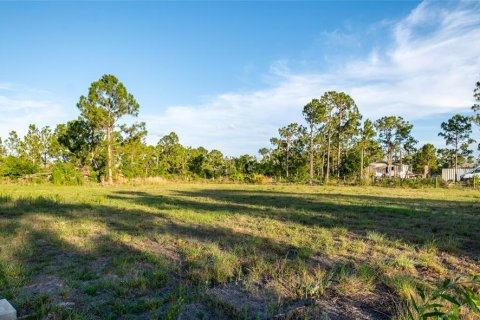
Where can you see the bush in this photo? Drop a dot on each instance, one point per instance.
(65, 174)
(237, 177)
(14, 167)
(256, 178)
(350, 165)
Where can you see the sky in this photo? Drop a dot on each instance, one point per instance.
(227, 75)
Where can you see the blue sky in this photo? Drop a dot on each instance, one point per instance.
(227, 75)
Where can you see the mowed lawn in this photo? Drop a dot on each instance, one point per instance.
(204, 251)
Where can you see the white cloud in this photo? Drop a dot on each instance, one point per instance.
(428, 68)
(21, 106)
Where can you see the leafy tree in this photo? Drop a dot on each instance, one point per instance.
(265, 153)
(328, 128)
(14, 144)
(3, 149)
(48, 145)
(403, 138)
(290, 143)
(266, 166)
(79, 142)
(394, 133)
(476, 106)
(446, 158)
(350, 164)
(366, 141)
(314, 113)
(386, 127)
(32, 144)
(213, 166)
(196, 161)
(108, 100)
(456, 132)
(172, 155)
(426, 156)
(133, 150)
(346, 119)
(246, 164)
(285, 143)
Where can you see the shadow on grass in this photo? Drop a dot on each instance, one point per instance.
(413, 221)
(47, 276)
(105, 276)
(111, 278)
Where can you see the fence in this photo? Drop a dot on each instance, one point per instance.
(449, 174)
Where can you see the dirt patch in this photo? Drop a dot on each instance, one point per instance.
(46, 285)
(232, 302)
(195, 311)
(342, 307)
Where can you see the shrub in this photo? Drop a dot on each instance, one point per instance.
(14, 167)
(256, 178)
(65, 174)
(237, 177)
(449, 300)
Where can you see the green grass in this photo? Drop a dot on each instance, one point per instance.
(229, 251)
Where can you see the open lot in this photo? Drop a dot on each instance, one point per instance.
(203, 251)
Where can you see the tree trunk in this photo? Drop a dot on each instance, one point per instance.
(401, 160)
(311, 155)
(339, 156)
(361, 164)
(286, 162)
(389, 160)
(323, 165)
(339, 153)
(328, 159)
(287, 146)
(456, 163)
(109, 155)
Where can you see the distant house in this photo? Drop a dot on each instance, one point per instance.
(380, 169)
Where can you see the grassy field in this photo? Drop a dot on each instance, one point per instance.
(179, 251)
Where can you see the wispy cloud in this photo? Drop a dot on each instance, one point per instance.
(427, 67)
(6, 86)
(21, 106)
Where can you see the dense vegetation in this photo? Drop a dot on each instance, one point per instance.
(218, 251)
(335, 143)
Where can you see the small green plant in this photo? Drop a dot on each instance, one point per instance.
(375, 237)
(447, 300)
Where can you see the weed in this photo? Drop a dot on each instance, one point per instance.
(375, 237)
(403, 285)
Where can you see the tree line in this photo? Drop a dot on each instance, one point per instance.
(335, 143)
